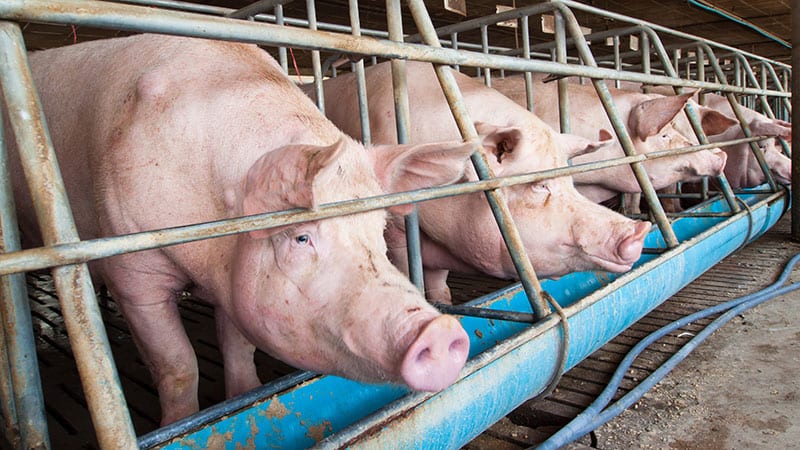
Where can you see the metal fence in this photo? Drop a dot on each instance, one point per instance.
(740, 76)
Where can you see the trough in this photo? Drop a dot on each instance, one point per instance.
(510, 362)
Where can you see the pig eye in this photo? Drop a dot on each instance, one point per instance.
(303, 239)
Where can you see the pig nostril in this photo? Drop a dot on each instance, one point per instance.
(435, 358)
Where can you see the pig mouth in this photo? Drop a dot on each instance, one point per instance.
(611, 265)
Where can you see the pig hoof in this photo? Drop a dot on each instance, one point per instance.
(435, 358)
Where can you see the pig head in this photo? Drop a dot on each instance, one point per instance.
(189, 131)
(649, 120)
(561, 230)
(743, 169)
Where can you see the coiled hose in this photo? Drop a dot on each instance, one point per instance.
(595, 415)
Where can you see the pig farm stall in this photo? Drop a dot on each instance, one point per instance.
(524, 337)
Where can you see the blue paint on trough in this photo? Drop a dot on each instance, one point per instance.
(510, 362)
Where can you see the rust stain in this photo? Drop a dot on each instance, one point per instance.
(317, 432)
(276, 410)
(217, 440)
(479, 334)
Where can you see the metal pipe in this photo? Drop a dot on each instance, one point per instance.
(487, 73)
(563, 83)
(316, 64)
(526, 53)
(282, 56)
(77, 252)
(496, 199)
(256, 8)
(24, 406)
(7, 221)
(402, 114)
(81, 313)
(135, 18)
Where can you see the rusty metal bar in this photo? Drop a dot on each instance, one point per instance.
(402, 116)
(72, 253)
(563, 83)
(526, 53)
(255, 8)
(135, 18)
(76, 295)
(495, 197)
(23, 406)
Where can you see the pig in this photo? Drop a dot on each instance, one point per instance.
(743, 170)
(649, 121)
(155, 131)
(561, 230)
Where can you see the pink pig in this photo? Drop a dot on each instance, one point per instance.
(561, 230)
(154, 131)
(649, 121)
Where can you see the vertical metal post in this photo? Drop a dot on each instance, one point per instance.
(617, 60)
(563, 83)
(701, 99)
(7, 399)
(316, 63)
(82, 317)
(495, 197)
(282, 58)
(487, 72)
(361, 83)
(454, 45)
(526, 53)
(644, 48)
(402, 114)
(795, 119)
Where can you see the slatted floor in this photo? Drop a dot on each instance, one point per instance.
(70, 427)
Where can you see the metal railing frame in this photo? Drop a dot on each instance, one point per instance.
(68, 255)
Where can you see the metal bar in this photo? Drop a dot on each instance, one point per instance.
(622, 134)
(485, 313)
(526, 53)
(81, 313)
(256, 8)
(563, 83)
(402, 116)
(23, 407)
(496, 200)
(7, 221)
(487, 73)
(135, 18)
(316, 64)
(77, 252)
(282, 56)
(361, 83)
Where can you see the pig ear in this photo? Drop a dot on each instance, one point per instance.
(577, 145)
(284, 179)
(713, 121)
(771, 127)
(649, 117)
(415, 166)
(499, 141)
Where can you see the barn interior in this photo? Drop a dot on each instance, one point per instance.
(759, 30)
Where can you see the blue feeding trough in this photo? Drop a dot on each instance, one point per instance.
(510, 362)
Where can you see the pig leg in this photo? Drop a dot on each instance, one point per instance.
(147, 297)
(436, 289)
(237, 356)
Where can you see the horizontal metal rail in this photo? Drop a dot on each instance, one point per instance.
(141, 19)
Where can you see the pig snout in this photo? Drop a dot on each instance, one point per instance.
(435, 358)
(630, 247)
